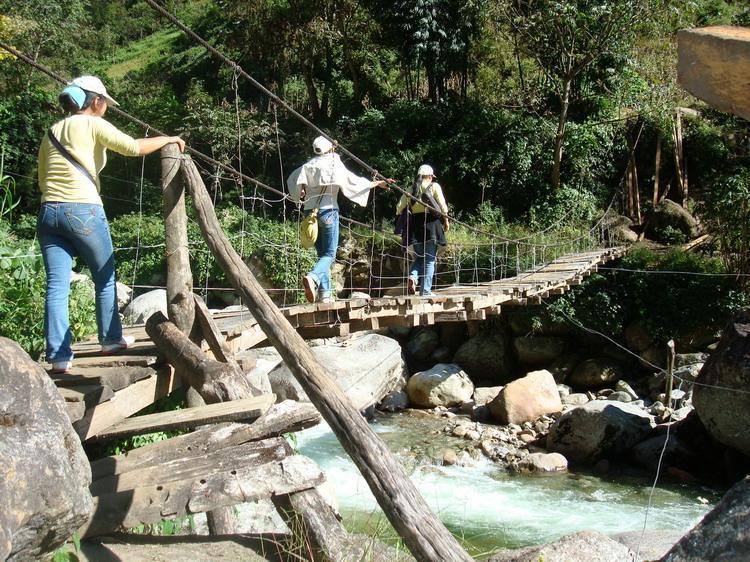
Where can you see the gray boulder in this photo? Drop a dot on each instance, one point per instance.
(670, 214)
(443, 385)
(486, 357)
(723, 534)
(722, 411)
(124, 294)
(44, 473)
(422, 343)
(598, 429)
(648, 453)
(538, 351)
(543, 463)
(394, 402)
(526, 399)
(651, 545)
(585, 546)
(619, 229)
(143, 306)
(366, 369)
(593, 373)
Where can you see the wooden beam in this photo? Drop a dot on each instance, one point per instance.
(189, 418)
(126, 402)
(211, 333)
(714, 65)
(422, 531)
(116, 378)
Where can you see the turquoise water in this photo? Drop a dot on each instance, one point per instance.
(488, 508)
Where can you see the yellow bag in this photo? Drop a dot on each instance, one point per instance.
(308, 229)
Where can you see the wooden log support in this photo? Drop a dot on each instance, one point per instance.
(212, 334)
(214, 381)
(422, 531)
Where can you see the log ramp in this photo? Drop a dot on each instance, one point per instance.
(236, 453)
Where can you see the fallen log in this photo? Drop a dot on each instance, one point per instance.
(422, 531)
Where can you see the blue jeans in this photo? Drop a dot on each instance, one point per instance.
(67, 230)
(423, 268)
(326, 245)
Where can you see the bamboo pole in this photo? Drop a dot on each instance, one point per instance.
(424, 534)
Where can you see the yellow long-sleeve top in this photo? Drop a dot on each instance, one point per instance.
(87, 138)
(417, 206)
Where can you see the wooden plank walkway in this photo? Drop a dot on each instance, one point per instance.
(102, 391)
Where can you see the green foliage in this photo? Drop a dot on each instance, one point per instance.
(669, 304)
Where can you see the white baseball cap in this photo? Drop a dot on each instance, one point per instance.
(321, 145)
(94, 85)
(425, 170)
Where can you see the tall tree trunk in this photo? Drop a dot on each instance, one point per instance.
(657, 170)
(560, 135)
(312, 92)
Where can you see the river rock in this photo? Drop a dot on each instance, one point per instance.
(594, 373)
(585, 546)
(537, 351)
(650, 545)
(543, 462)
(124, 294)
(620, 396)
(563, 366)
(446, 384)
(648, 453)
(485, 394)
(486, 357)
(723, 534)
(366, 369)
(395, 402)
(598, 429)
(422, 343)
(622, 386)
(143, 306)
(526, 399)
(670, 214)
(637, 337)
(723, 412)
(564, 390)
(44, 473)
(619, 228)
(576, 399)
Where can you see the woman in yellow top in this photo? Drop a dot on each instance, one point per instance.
(72, 222)
(426, 228)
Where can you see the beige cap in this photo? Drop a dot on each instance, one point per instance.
(93, 84)
(321, 145)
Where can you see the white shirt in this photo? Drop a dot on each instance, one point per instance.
(324, 176)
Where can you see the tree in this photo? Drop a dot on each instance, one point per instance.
(567, 38)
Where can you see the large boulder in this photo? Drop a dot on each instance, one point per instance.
(44, 473)
(486, 357)
(723, 411)
(538, 351)
(543, 462)
(366, 369)
(723, 534)
(422, 343)
(585, 546)
(443, 385)
(143, 306)
(124, 294)
(593, 373)
(670, 215)
(652, 452)
(619, 228)
(598, 429)
(527, 399)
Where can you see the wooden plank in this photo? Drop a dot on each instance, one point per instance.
(126, 402)
(211, 332)
(282, 418)
(188, 418)
(714, 65)
(90, 394)
(116, 377)
(132, 358)
(199, 493)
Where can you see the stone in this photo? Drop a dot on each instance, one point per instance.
(394, 402)
(486, 357)
(722, 411)
(563, 390)
(421, 344)
(441, 354)
(526, 399)
(359, 295)
(620, 396)
(622, 386)
(584, 546)
(538, 351)
(619, 228)
(647, 453)
(485, 394)
(598, 429)
(637, 337)
(124, 294)
(44, 472)
(723, 534)
(563, 366)
(651, 545)
(446, 384)
(143, 306)
(576, 399)
(449, 457)
(593, 373)
(668, 214)
(544, 462)
(367, 369)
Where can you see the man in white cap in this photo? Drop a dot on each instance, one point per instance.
(317, 183)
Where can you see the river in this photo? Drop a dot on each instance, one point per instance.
(488, 508)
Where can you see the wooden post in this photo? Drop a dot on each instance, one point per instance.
(424, 534)
(636, 192)
(679, 157)
(657, 169)
(180, 304)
